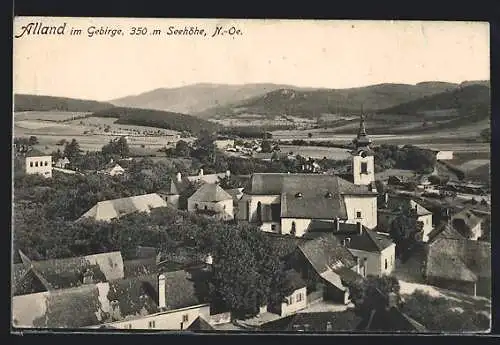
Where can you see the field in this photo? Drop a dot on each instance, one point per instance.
(317, 152)
(91, 132)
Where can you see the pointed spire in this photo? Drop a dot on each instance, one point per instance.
(362, 139)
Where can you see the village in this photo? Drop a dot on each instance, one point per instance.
(331, 248)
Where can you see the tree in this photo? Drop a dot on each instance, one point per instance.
(182, 149)
(406, 231)
(266, 146)
(118, 147)
(205, 147)
(33, 140)
(73, 152)
(366, 294)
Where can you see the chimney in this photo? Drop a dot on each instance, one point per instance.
(209, 259)
(228, 173)
(386, 198)
(201, 172)
(161, 291)
(347, 240)
(179, 177)
(360, 228)
(329, 326)
(337, 224)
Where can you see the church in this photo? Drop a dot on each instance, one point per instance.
(296, 203)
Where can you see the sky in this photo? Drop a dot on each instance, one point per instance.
(307, 53)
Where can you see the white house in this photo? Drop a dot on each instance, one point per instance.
(467, 224)
(36, 162)
(444, 155)
(212, 199)
(62, 163)
(113, 170)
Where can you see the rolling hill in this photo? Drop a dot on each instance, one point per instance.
(313, 103)
(157, 118)
(23, 102)
(194, 98)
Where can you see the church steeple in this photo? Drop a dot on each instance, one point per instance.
(362, 139)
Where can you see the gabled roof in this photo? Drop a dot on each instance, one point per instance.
(200, 324)
(467, 219)
(444, 230)
(109, 209)
(325, 253)
(342, 321)
(210, 193)
(397, 202)
(445, 257)
(313, 184)
(65, 273)
(36, 153)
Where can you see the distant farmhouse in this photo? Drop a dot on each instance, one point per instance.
(113, 169)
(35, 162)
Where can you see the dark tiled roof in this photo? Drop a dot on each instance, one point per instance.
(465, 218)
(66, 273)
(325, 252)
(313, 184)
(396, 202)
(139, 267)
(444, 230)
(36, 153)
(444, 253)
(210, 193)
(200, 324)
(368, 240)
(313, 206)
(315, 322)
(391, 320)
(283, 245)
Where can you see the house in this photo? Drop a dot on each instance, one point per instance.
(459, 264)
(288, 203)
(169, 301)
(180, 184)
(296, 300)
(385, 316)
(32, 276)
(113, 170)
(35, 162)
(327, 267)
(318, 322)
(444, 155)
(223, 144)
(375, 252)
(467, 224)
(110, 209)
(393, 205)
(213, 200)
(62, 163)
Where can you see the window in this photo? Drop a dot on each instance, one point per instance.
(128, 326)
(185, 318)
(46, 163)
(273, 227)
(358, 214)
(31, 164)
(364, 168)
(196, 206)
(385, 263)
(299, 297)
(36, 163)
(151, 324)
(294, 229)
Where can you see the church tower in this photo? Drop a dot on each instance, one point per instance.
(363, 166)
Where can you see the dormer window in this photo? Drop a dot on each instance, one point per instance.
(298, 195)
